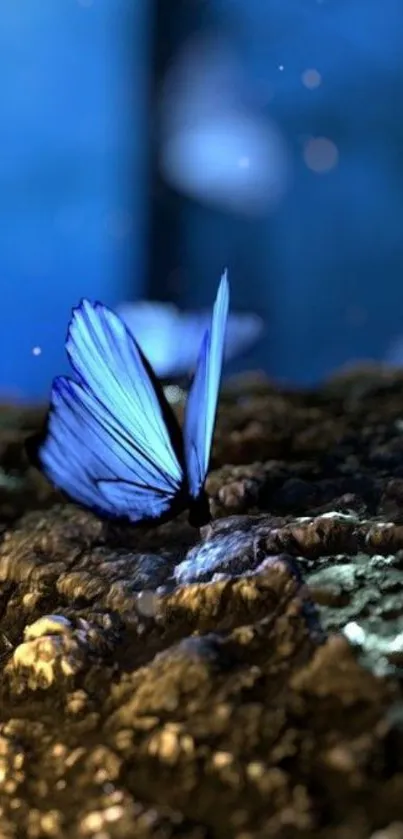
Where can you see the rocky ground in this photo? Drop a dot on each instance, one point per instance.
(239, 683)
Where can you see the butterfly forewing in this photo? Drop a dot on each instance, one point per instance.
(201, 406)
(105, 355)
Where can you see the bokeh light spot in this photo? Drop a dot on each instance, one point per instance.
(311, 78)
(36, 350)
(174, 394)
(320, 154)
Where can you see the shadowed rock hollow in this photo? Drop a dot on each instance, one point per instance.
(239, 683)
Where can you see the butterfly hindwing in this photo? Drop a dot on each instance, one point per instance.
(113, 442)
(201, 405)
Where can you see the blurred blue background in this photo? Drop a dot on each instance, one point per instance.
(143, 149)
(73, 172)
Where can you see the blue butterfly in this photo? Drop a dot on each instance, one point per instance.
(112, 441)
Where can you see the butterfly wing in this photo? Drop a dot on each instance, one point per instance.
(201, 405)
(113, 443)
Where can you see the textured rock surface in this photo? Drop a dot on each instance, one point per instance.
(244, 682)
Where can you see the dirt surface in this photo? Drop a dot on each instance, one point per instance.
(243, 682)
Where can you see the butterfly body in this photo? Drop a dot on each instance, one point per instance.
(112, 442)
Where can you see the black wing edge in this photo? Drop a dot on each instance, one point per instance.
(170, 420)
(33, 444)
